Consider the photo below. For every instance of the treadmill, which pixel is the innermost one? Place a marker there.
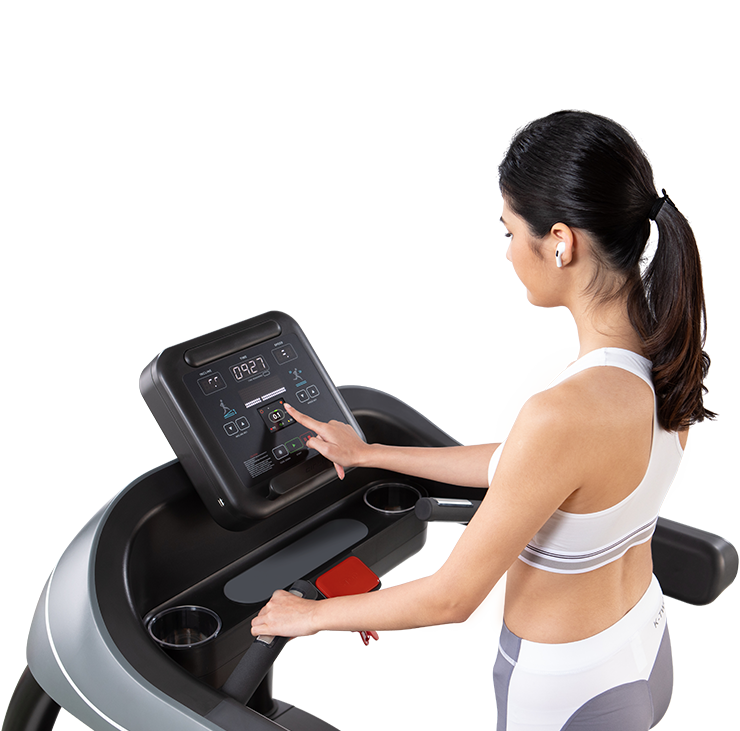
(145, 623)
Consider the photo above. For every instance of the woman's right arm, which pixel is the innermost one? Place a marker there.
(338, 442)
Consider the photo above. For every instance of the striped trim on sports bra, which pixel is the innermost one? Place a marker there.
(580, 563)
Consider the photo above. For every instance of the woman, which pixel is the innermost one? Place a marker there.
(574, 492)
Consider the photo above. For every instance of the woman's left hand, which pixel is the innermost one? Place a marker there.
(285, 615)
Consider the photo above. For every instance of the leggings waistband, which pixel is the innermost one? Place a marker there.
(644, 622)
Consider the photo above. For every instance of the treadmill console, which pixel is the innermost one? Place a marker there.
(220, 401)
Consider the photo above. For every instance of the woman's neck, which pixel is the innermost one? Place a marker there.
(606, 326)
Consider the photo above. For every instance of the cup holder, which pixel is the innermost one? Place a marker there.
(392, 498)
(181, 628)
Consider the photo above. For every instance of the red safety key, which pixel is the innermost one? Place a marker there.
(351, 576)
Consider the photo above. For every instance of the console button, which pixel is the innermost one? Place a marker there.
(302, 396)
(280, 451)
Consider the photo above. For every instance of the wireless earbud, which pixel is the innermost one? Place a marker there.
(559, 254)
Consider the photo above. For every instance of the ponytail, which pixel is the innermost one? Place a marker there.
(667, 309)
(587, 172)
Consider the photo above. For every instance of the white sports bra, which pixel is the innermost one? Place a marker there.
(574, 543)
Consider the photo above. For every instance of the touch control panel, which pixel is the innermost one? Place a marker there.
(220, 401)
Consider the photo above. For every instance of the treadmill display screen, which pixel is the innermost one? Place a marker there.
(242, 450)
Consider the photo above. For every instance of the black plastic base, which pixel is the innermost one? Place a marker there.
(30, 709)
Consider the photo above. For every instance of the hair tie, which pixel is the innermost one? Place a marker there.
(658, 205)
(656, 208)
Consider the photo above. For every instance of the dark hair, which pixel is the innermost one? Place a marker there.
(589, 173)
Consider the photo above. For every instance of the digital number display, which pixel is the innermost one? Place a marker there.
(251, 367)
(211, 383)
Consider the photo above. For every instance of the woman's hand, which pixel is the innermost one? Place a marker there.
(336, 441)
(285, 615)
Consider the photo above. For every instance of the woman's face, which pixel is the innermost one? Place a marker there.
(528, 256)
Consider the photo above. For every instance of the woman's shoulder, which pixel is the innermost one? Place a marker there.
(588, 399)
(584, 430)
(543, 455)
(551, 416)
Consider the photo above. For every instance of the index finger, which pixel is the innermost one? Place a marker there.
(302, 419)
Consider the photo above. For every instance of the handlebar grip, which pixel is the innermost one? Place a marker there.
(447, 509)
(260, 656)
